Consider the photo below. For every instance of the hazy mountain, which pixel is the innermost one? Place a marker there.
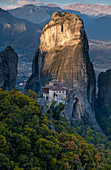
(99, 35)
(43, 14)
(100, 55)
(35, 14)
(52, 5)
(96, 27)
(100, 29)
(90, 9)
(100, 51)
(22, 35)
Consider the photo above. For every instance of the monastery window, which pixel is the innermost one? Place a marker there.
(61, 28)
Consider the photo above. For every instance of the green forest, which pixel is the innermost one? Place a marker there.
(28, 141)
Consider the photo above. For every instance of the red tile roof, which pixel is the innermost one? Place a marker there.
(54, 87)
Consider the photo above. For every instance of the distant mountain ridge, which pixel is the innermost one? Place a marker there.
(52, 5)
(35, 14)
(43, 14)
(89, 9)
(21, 34)
(100, 28)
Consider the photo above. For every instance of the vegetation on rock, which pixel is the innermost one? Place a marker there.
(32, 94)
(26, 142)
(104, 121)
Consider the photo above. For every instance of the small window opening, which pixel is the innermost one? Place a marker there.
(61, 28)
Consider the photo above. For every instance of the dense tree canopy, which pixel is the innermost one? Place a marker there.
(26, 141)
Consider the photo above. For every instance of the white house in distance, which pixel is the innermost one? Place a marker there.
(55, 91)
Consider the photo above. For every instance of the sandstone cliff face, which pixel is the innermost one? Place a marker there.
(8, 69)
(63, 56)
(104, 94)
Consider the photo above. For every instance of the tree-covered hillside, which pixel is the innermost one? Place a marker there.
(27, 141)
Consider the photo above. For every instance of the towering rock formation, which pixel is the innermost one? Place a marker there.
(63, 56)
(104, 94)
(8, 68)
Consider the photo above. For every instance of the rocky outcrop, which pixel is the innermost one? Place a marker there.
(63, 56)
(104, 93)
(8, 68)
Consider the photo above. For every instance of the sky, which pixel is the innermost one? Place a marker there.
(8, 4)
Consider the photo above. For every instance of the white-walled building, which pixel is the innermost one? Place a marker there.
(55, 91)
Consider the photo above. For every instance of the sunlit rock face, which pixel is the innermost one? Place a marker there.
(8, 69)
(104, 94)
(63, 56)
(62, 29)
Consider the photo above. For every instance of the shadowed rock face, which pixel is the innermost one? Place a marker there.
(8, 69)
(63, 56)
(104, 94)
